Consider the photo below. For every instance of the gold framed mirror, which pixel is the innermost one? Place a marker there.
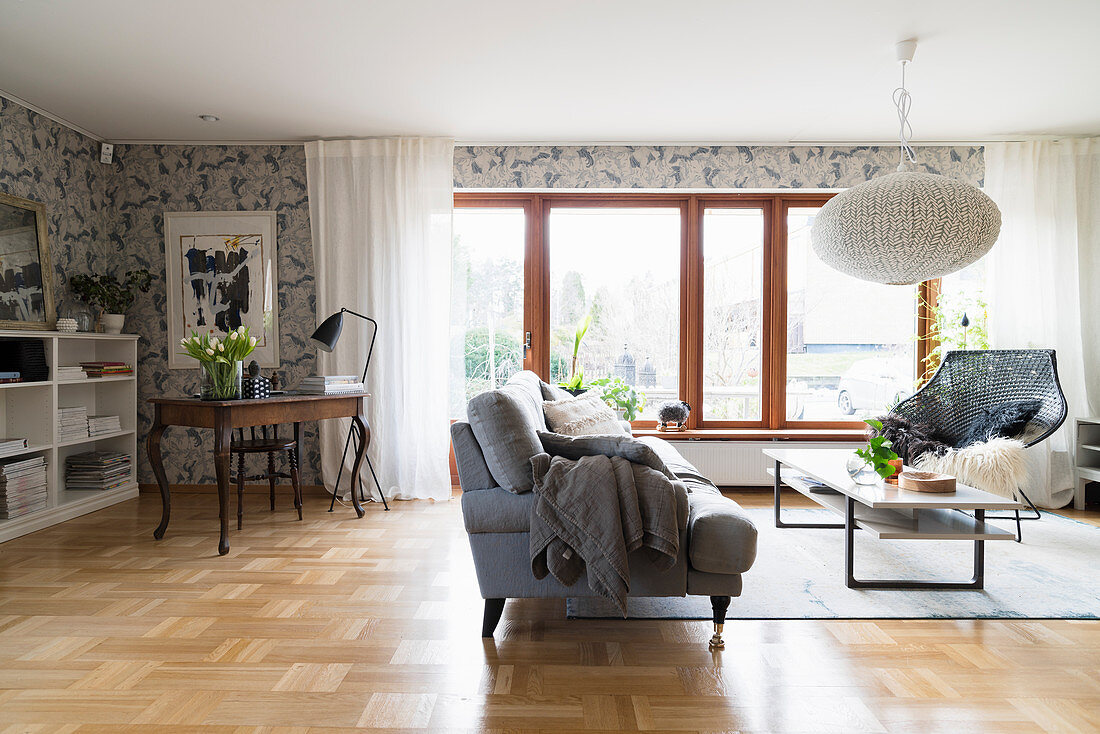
(26, 272)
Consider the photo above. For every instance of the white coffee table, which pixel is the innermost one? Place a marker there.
(888, 513)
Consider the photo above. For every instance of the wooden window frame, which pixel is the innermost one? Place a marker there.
(692, 206)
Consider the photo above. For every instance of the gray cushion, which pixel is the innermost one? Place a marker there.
(473, 473)
(574, 447)
(722, 537)
(497, 511)
(553, 392)
(505, 423)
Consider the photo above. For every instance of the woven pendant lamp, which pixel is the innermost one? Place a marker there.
(905, 227)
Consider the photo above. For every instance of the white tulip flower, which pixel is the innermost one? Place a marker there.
(213, 341)
(232, 335)
(252, 341)
(241, 328)
(210, 352)
(221, 347)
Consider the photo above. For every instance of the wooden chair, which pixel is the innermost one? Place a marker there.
(268, 442)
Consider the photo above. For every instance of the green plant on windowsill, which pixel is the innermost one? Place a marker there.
(879, 451)
(620, 395)
(576, 374)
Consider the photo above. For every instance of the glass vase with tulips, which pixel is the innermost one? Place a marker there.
(220, 359)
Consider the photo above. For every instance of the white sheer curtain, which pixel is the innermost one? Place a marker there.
(380, 213)
(1043, 280)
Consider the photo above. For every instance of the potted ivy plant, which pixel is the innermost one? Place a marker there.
(112, 295)
(620, 396)
(875, 461)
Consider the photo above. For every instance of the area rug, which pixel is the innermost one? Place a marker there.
(799, 574)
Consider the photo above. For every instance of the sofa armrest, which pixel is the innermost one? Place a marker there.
(721, 537)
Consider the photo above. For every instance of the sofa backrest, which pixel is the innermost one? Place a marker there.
(506, 423)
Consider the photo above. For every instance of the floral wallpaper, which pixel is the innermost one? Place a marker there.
(152, 179)
(110, 217)
(699, 167)
(47, 162)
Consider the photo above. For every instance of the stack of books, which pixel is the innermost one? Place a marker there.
(97, 470)
(12, 446)
(331, 384)
(73, 372)
(72, 423)
(11, 377)
(106, 369)
(101, 425)
(22, 487)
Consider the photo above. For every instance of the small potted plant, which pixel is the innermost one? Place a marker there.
(110, 294)
(220, 359)
(620, 396)
(575, 384)
(875, 461)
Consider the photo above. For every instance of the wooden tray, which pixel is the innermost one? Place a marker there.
(924, 481)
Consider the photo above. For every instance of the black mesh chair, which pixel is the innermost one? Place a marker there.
(969, 382)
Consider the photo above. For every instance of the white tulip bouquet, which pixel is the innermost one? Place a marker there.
(220, 361)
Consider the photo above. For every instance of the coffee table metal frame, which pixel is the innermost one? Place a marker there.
(852, 523)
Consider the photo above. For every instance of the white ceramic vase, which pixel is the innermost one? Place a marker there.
(112, 322)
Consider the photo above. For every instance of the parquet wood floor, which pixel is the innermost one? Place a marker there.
(335, 623)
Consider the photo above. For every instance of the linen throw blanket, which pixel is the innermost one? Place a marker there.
(590, 513)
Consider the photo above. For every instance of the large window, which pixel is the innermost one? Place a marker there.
(850, 343)
(487, 259)
(621, 268)
(716, 299)
(733, 290)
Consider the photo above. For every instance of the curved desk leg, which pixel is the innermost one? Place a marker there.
(155, 459)
(360, 423)
(223, 435)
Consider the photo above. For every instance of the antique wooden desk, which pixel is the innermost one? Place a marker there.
(226, 415)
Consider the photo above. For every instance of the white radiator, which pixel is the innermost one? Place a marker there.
(741, 463)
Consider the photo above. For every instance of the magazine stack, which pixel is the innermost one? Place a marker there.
(72, 423)
(22, 487)
(97, 470)
(103, 425)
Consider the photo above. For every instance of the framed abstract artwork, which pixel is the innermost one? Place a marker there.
(220, 270)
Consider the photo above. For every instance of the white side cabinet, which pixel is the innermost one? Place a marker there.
(1088, 458)
(29, 409)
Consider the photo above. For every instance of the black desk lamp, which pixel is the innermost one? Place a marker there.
(326, 337)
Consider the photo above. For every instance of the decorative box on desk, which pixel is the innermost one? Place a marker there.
(29, 410)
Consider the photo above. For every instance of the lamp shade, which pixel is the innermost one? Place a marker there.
(903, 228)
(328, 333)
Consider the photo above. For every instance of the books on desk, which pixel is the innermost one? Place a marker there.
(22, 487)
(72, 423)
(331, 384)
(97, 470)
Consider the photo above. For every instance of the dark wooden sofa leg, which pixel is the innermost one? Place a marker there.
(493, 609)
(719, 604)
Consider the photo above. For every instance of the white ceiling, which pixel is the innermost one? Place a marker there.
(645, 71)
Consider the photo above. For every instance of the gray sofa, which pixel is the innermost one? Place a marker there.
(493, 451)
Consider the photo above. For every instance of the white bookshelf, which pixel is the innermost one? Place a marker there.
(1088, 458)
(29, 409)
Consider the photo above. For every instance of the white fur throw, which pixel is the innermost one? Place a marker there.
(584, 415)
(996, 466)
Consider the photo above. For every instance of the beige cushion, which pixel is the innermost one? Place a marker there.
(584, 415)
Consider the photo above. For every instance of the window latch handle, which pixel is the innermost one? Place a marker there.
(526, 342)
